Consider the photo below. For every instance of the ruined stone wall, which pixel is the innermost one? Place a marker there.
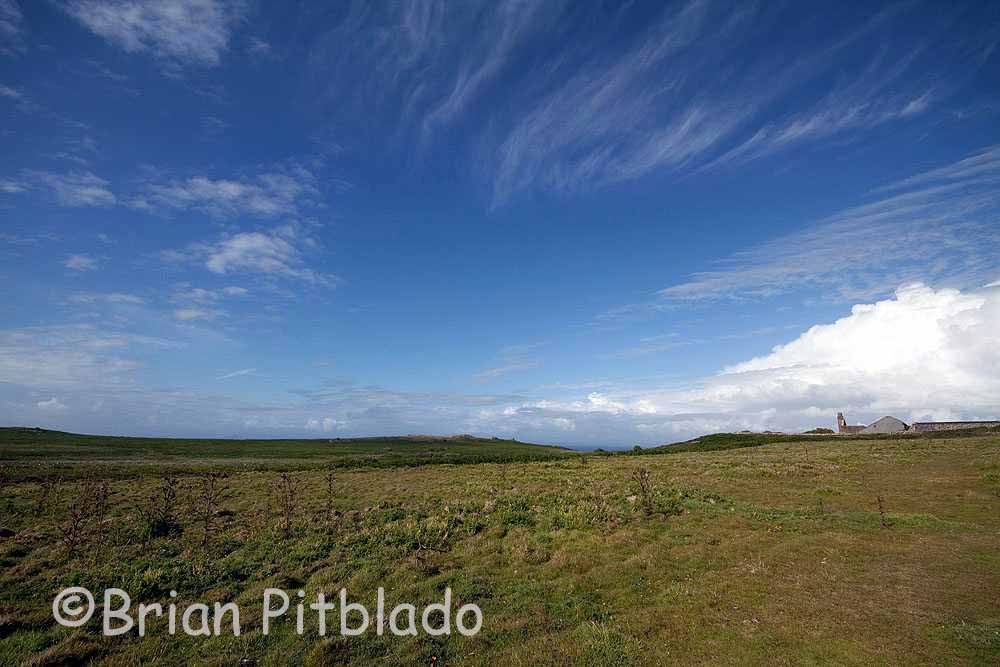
(925, 427)
(842, 426)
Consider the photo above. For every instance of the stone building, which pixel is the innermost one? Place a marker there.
(885, 425)
(842, 426)
(892, 425)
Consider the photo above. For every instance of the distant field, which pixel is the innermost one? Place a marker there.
(30, 448)
(852, 551)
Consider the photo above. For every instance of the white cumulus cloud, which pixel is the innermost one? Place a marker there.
(277, 253)
(923, 354)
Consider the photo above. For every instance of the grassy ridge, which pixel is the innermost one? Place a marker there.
(724, 441)
(56, 448)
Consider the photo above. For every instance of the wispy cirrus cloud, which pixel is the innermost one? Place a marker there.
(648, 345)
(423, 65)
(506, 25)
(75, 188)
(885, 90)
(671, 89)
(685, 98)
(11, 31)
(942, 225)
(512, 358)
(236, 374)
(192, 32)
(667, 342)
(983, 163)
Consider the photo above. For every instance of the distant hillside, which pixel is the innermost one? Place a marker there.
(722, 441)
(57, 448)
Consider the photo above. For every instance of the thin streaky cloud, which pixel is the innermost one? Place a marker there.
(941, 225)
(512, 358)
(650, 109)
(75, 188)
(678, 94)
(11, 28)
(239, 373)
(958, 221)
(986, 162)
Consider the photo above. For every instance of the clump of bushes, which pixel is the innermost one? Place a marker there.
(159, 515)
(654, 500)
(644, 489)
(284, 489)
(46, 486)
(85, 515)
(208, 496)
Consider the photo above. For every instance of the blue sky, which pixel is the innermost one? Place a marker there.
(595, 225)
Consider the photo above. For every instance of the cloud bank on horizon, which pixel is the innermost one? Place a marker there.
(925, 354)
(565, 223)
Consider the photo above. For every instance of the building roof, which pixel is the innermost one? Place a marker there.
(886, 424)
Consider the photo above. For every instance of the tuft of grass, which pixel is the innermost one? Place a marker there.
(607, 644)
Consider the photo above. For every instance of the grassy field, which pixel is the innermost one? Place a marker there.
(815, 550)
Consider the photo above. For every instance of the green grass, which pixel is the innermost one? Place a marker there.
(775, 553)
